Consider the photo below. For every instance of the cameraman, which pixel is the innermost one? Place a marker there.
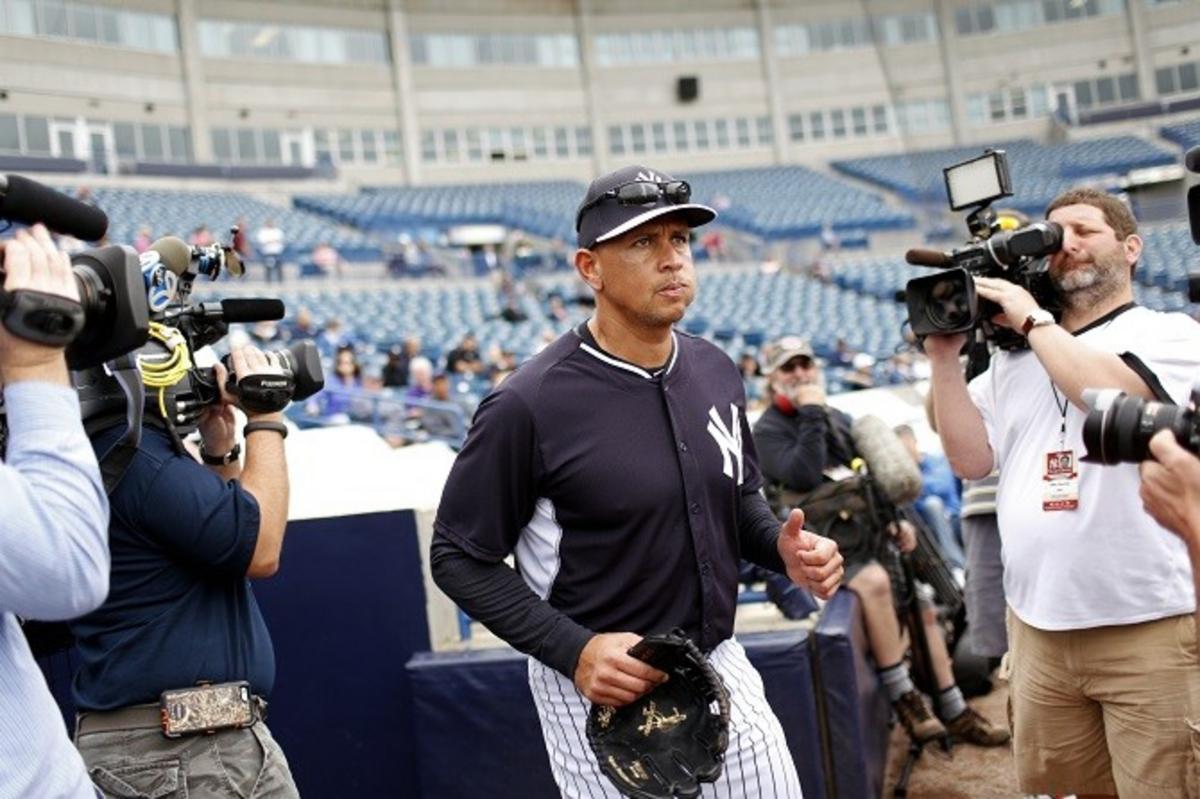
(1103, 652)
(53, 555)
(803, 444)
(185, 537)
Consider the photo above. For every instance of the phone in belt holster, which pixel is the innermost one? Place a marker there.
(208, 708)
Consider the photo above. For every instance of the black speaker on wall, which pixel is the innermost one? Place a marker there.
(687, 89)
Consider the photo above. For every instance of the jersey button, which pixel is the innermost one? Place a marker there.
(695, 507)
(704, 568)
(683, 446)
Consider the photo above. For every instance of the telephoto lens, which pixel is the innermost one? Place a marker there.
(1118, 427)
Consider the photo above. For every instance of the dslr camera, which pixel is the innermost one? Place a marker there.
(946, 302)
(1118, 427)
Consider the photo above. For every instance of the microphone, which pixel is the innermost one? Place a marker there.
(1192, 159)
(889, 462)
(251, 310)
(173, 253)
(29, 202)
(934, 258)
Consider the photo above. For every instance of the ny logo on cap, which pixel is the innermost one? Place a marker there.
(649, 176)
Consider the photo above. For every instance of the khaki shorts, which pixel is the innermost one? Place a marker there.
(1105, 710)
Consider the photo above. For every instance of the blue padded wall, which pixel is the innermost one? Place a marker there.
(476, 718)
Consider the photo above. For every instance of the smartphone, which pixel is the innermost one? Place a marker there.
(207, 708)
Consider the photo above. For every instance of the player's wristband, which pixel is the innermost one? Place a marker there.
(277, 427)
(221, 460)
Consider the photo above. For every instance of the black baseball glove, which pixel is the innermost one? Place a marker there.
(672, 739)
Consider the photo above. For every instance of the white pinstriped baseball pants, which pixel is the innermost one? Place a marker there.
(757, 762)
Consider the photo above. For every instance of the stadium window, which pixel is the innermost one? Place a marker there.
(180, 140)
(583, 141)
(450, 144)
(879, 118)
(700, 130)
(837, 123)
(562, 147)
(796, 127)
(428, 146)
(977, 113)
(222, 144)
(996, 106)
(1083, 94)
(366, 138)
(37, 135)
(658, 136)
(1188, 78)
(816, 124)
(637, 138)
(152, 142)
(1016, 99)
(247, 146)
(495, 150)
(272, 150)
(321, 148)
(81, 19)
(765, 130)
(474, 144)
(616, 140)
(10, 134)
(53, 18)
(541, 146)
(743, 132)
(125, 140)
(1164, 80)
(19, 19)
(1039, 101)
(1106, 90)
(858, 120)
(516, 138)
(679, 130)
(964, 21)
(345, 145)
(1127, 87)
(721, 134)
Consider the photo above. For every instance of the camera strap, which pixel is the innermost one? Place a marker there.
(115, 462)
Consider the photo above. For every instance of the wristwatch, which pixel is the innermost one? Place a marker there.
(1038, 318)
(221, 460)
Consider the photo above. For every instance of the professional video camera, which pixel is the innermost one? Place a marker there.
(946, 303)
(1118, 427)
(138, 329)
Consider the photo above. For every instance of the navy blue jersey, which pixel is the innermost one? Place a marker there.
(619, 490)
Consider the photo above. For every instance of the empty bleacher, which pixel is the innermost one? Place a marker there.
(1185, 134)
(1039, 171)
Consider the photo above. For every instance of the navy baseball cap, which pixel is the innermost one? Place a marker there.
(620, 201)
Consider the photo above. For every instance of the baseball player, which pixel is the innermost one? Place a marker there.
(618, 466)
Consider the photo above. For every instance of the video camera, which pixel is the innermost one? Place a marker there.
(138, 329)
(946, 303)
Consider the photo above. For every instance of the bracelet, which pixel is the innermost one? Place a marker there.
(276, 427)
(221, 460)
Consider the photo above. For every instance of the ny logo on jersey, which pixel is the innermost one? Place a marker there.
(650, 176)
(729, 440)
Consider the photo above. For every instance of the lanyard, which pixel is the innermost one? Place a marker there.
(1062, 409)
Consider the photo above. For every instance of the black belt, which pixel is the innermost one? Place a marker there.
(137, 717)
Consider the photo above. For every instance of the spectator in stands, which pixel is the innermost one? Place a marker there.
(464, 359)
(332, 338)
(420, 378)
(1104, 668)
(500, 359)
(752, 378)
(266, 335)
(327, 260)
(270, 242)
(713, 244)
(556, 310)
(861, 374)
(447, 422)
(241, 243)
(301, 326)
(803, 443)
(395, 370)
(200, 236)
(940, 503)
(345, 384)
(142, 241)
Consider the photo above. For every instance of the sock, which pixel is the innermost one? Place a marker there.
(896, 680)
(950, 703)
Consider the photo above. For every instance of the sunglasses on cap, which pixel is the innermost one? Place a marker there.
(799, 362)
(641, 192)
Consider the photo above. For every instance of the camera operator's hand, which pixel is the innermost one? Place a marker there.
(32, 262)
(1016, 302)
(944, 347)
(250, 360)
(904, 534)
(218, 425)
(1170, 489)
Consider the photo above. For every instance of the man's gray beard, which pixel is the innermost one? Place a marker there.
(1086, 287)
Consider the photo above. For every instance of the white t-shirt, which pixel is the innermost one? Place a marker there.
(1106, 562)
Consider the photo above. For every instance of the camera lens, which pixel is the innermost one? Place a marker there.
(1119, 427)
(948, 306)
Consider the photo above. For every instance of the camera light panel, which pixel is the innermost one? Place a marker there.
(978, 181)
